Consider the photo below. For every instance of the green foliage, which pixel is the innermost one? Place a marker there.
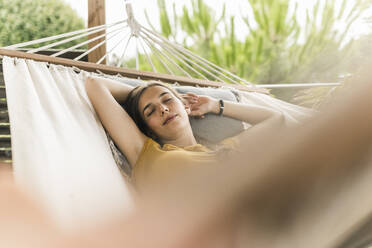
(277, 48)
(201, 24)
(361, 56)
(25, 20)
(165, 23)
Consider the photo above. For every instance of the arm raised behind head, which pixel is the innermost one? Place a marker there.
(105, 96)
(118, 90)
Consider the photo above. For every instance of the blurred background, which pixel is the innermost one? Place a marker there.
(261, 41)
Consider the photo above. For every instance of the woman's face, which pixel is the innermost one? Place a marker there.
(163, 112)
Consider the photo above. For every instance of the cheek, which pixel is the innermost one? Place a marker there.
(179, 106)
(153, 123)
(184, 111)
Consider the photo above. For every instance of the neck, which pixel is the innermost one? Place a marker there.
(184, 139)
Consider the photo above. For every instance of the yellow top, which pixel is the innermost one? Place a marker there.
(157, 162)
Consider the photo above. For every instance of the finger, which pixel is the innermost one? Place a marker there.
(190, 99)
(200, 116)
(186, 98)
(191, 94)
(194, 107)
(196, 113)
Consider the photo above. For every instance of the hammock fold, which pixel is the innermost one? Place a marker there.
(60, 149)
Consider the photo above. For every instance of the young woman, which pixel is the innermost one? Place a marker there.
(154, 131)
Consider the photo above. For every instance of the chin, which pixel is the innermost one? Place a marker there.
(172, 132)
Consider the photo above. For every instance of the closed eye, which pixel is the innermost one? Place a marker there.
(150, 113)
(153, 109)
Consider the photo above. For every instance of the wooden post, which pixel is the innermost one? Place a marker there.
(96, 17)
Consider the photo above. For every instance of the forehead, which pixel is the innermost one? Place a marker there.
(152, 94)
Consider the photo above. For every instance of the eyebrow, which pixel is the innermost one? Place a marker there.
(148, 105)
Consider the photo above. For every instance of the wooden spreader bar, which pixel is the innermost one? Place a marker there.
(130, 73)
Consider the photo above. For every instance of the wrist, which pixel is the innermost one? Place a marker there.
(215, 107)
(222, 106)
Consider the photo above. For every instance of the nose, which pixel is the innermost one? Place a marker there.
(163, 109)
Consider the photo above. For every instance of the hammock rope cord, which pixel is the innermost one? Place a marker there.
(173, 58)
(55, 37)
(155, 49)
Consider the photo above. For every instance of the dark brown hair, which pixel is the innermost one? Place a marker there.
(132, 108)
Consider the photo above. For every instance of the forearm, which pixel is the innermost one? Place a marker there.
(251, 114)
(118, 90)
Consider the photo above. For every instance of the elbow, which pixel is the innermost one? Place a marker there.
(89, 80)
(91, 87)
(90, 84)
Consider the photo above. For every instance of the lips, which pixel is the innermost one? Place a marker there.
(169, 119)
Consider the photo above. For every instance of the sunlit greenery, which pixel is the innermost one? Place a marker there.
(25, 20)
(360, 57)
(277, 47)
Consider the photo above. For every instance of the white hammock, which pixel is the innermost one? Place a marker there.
(60, 149)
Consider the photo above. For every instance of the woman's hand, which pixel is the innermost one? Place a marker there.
(200, 105)
(250, 113)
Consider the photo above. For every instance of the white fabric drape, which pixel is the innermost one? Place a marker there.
(60, 150)
(293, 113)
